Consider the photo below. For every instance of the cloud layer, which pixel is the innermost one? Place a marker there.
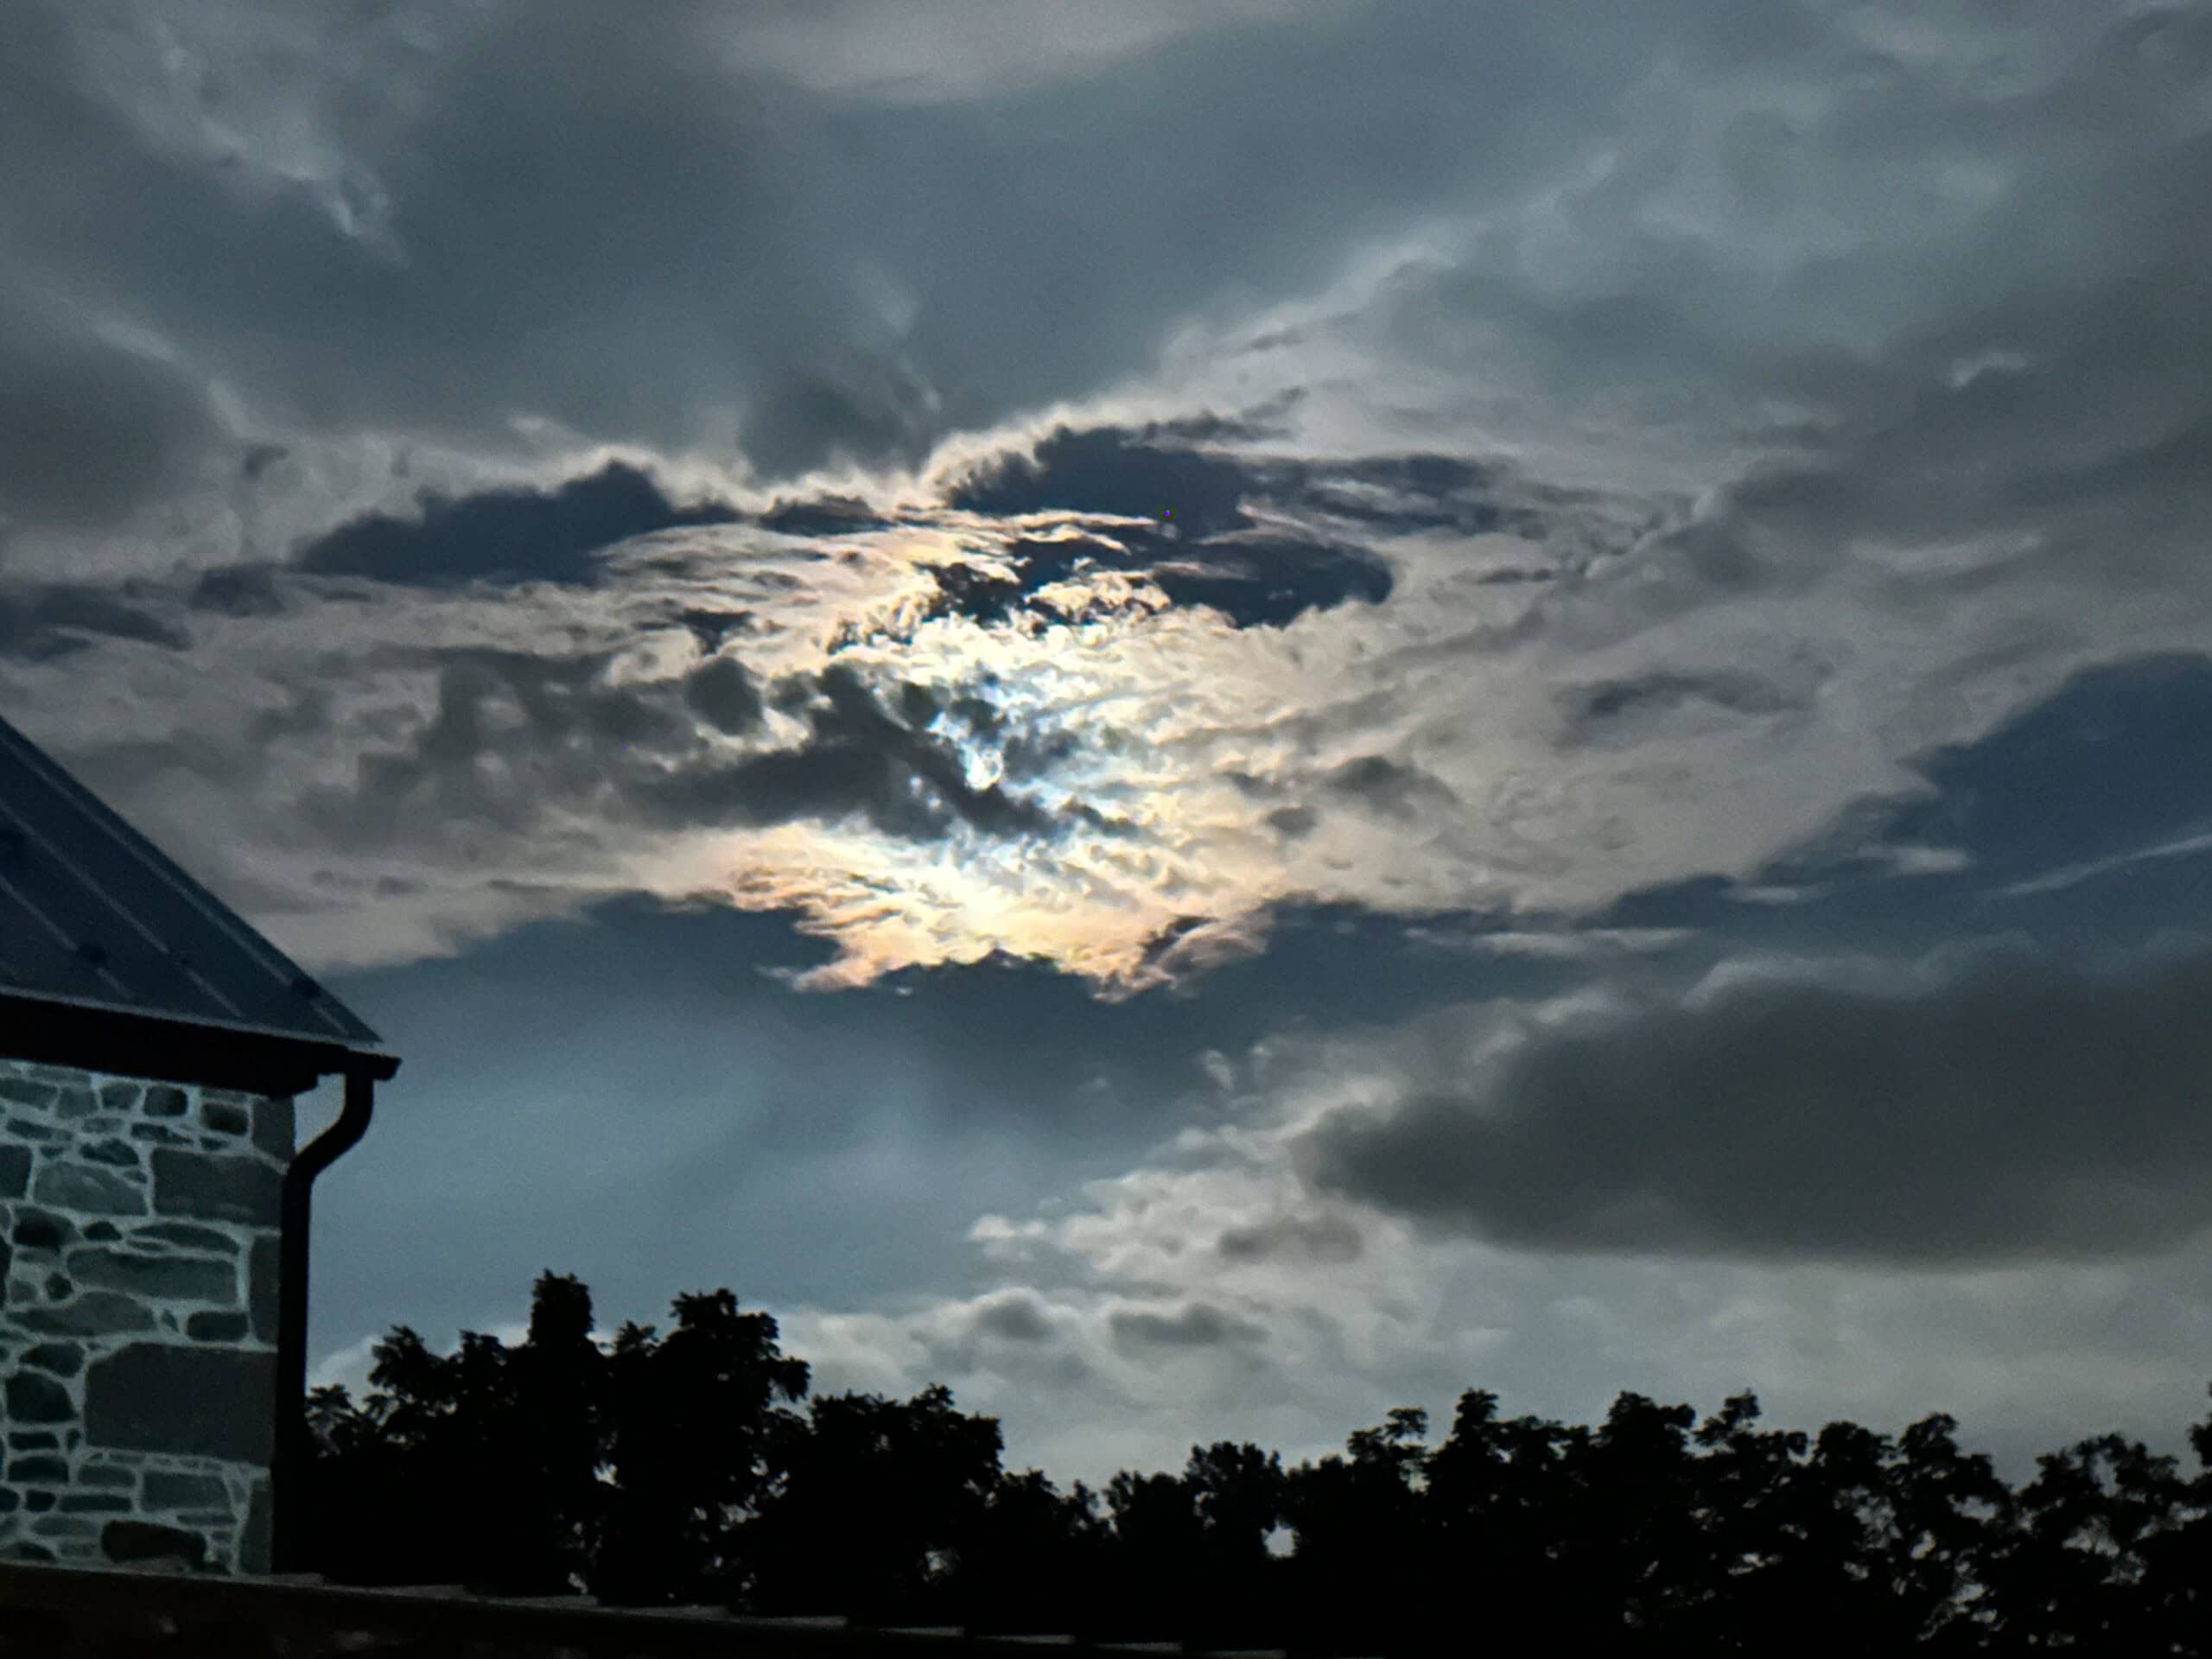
(2013, 1112)
(1272, 507)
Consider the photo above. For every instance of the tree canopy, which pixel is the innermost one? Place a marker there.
(690, 1466)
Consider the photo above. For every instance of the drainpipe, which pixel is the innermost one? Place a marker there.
(290, 1456)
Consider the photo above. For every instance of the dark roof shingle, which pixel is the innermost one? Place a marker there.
(93, 915)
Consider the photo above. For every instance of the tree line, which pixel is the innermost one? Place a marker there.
(690, 1466)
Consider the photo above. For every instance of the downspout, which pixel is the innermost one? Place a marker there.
(292, 1452)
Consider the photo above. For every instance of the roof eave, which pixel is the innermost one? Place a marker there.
(93, 1037)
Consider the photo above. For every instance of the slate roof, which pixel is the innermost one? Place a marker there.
(94, 918)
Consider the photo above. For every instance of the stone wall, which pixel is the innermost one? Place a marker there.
(138, 1291)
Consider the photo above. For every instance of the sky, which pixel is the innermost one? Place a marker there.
(1201, 715)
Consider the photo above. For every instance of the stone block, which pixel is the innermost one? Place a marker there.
(38, 1230)
(207, 1402)
(102, 1232)
(163, 1100)
(216, 1327)
(184, 1236)
(23, 1129)
(62, 1358)
(21, 1091)
(223, 1118)
(95, 1503)
(65, 1525)
(182, 1278)
(118, 1096)
(96, 1313)
(41, 1466)
(10, 1500)
(75, 1101)
(87, 1190)
(160, 1133)
(119, 1153)
(33, 1439)
(108, 1476)
(274, 1127)
(167, 1490)
(189, 1183)
(36, 1399)
(130, 1543)
(265, 1277)
(14, 1170)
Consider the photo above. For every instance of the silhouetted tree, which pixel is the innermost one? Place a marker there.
(693, 1428)
(657, 1468)
(1034, 1559)
(2086, 1533)
(1155, 1570)
(1357, 1521)
(872, 1501)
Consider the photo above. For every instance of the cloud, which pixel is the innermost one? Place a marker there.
(511, 535)
(724, 693)
(1017, 1317)
(2014, 1112)
(1332, 1238)
(1387, 786)
(1718, 409)
(858, 759)
(45, 622)
(2027, 1348)
(91, 430)
(1195, 1324)
(1629, 711)
(1178, 514)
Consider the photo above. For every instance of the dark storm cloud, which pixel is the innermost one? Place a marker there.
(1329, 1239)
(1389, 786)
(1199, 544)
(1196, 1326)
(55, 621)
(859, 758)
(1129, 472)
(1180, 472)
(415, 218)
(510, 739)
(1253, 583)
(1019, 1317)
(2015, 1112)
(1626, 711)
(834, 515)
(238, 590)
(509, 535)
(515, 744)
(721, 691)
(90, 432)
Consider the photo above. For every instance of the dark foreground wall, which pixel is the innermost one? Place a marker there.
(139, 1292)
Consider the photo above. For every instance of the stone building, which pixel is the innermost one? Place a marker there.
(152, 1208)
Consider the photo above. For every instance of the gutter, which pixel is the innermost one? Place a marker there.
(293, 1451)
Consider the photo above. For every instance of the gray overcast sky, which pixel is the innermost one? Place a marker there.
(1202, 715)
